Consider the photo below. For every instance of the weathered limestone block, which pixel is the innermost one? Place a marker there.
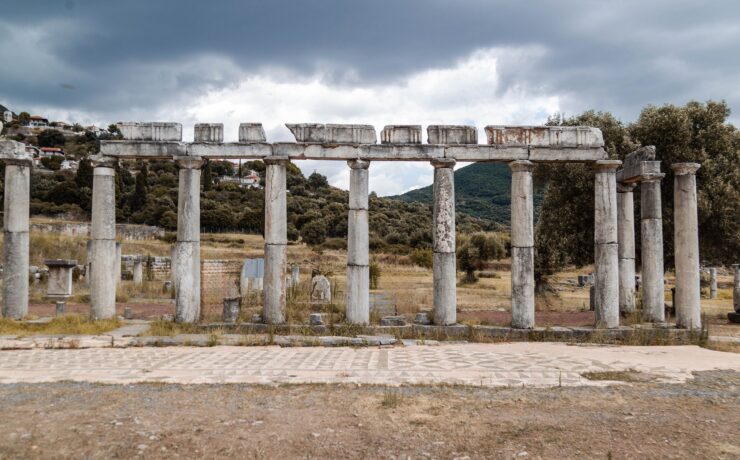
(138, 271)
(209, 132)
(134, 131)
(605, 204)
(320, 289)
(358, 182)
(251, 132)
(522, 287)
(444, 262)
(401, 134)
(541, 136)
(232, 309)
(358, 257)
(606, 285)
(276, 239)
(686, 245)
(186, 257)
(626, 237)
(273, 311)
(59, 281)
(637, 163)
(358, 298)
(452, 134)
(332, 133)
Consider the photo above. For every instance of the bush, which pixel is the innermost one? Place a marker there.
(422, 257)
(314, 233)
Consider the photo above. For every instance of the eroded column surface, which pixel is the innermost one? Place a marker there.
(138, 271)
(522, 245)
(443, 259)
(276, 239)
(358, 257)
(651, 225)
(15, 252)
(736, 289)
(606, 260)
(626, 240)
(186, 254)
(686, 246)
(103, 242)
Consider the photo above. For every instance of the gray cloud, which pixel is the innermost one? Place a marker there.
(142, 57)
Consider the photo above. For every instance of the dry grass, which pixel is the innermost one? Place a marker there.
(171, 328)
(63, 325)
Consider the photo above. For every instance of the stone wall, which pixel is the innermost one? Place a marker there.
(219, 279)
(125, 231)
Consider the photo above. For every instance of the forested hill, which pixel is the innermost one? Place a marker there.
(481, 190)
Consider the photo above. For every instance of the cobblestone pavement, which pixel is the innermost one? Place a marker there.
(538, 364)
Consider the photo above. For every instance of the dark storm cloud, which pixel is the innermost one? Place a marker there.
(103, 57)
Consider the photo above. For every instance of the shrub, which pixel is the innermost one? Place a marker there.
(421, 257)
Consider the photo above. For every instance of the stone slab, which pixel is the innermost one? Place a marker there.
(332, 133)
(152, 131)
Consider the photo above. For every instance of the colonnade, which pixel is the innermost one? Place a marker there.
(613, 231)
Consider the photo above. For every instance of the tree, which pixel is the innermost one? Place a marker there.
(317, 181)
(84, 175)
(24, 118)
(474, 251)
(207, 177)
(51, 138)
(138, 198)
(314, 232)
(115, 131)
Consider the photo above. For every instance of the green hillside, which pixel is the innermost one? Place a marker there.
(481, 190)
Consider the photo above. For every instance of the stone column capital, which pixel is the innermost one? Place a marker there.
(625, 188)
(521, 166)
(657, 177)
(18, 161)
(276, 160)
(99, 161)
(443, 162)
(606, 166)
(358, 164)
(189, 162)
(683, 169)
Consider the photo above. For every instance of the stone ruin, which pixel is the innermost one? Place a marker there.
(520, 146)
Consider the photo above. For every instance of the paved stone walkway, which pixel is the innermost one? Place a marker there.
(538, 364)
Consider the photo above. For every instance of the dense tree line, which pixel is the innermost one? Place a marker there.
(695, 132)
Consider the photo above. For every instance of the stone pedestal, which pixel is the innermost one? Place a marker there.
(186, 254)
(103, 242)
(626, 238)
(606, 260)
(276, 239)
(443, 233)
(686, 244)
(59, 281)
(358, 258)
(16, 243)
(138, 272)
(522, 245)
(712, 283)
(651, 225)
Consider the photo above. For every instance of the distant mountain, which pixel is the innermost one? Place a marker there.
(481, 190)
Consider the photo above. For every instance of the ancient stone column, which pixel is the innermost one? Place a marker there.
(626, 237)
(444, 263)
(712, 283)
(276, 240)
(736, 289)
(651, 225)
(103, 242)
(686, 246)
(606, 260)
(358, 259)
(119, 258)
(138, 272)
(522, 245)
(15, 260)
(186, 254)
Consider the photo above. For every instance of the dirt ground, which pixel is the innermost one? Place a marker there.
(698, 419)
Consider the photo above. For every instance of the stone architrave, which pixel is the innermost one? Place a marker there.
(103, 241)
(59, 281)
(651, 225)
(686, 246)
(626, 237)
(358, 256)
(320, 289)
(606, 279)
(522, 245)
(276, 239)
(444, 269)
(16, 237)
(186, 253)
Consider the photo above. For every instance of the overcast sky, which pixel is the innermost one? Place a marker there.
(377, 62)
